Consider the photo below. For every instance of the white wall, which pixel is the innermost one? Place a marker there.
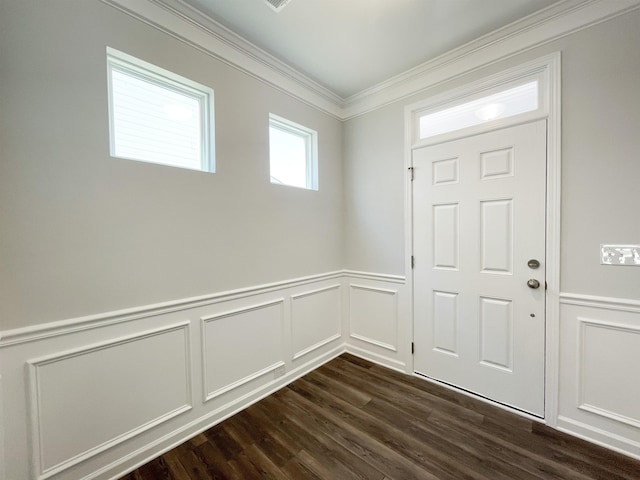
(140, 304)
(115, 272)
(84, 233)
(600, 199)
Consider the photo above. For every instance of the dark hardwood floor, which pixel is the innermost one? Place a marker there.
(353, 419)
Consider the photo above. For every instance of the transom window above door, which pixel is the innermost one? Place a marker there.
(515, 101)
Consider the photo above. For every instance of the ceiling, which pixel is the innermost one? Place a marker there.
(351, 45)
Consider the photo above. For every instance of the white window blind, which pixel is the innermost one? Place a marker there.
(292, 154)
(157, 116)
(507, 103)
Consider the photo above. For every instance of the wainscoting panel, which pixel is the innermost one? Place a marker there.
(374, 316)
(86, 401)
(378, 319)
(599, 381)
(95, 397)
(241, 345)
(315, 319)
(603, 347)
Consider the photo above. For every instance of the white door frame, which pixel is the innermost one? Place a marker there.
(547, 70)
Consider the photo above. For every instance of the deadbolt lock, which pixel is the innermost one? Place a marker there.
(533, 263)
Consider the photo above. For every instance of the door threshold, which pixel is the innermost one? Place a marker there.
(477, 396)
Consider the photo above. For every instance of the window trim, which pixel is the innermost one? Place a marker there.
(130, 65)
(479, 90)
(310, 138)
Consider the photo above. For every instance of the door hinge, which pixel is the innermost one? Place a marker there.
(413, 261)
(413, 348)
(411, 172)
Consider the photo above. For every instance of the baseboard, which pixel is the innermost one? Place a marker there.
(377, 359)
(599, 354)
(600, 437)
(307, 323)
(183, 434)
(149, 378)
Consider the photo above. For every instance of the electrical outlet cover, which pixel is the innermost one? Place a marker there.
(620, 255)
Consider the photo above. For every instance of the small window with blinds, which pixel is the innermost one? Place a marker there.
(157, 116)
(293, 154)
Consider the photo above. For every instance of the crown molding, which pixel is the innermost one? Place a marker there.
(542, 27)
(189, 25)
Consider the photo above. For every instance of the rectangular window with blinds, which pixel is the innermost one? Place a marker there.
(157, 116)
(293, 154)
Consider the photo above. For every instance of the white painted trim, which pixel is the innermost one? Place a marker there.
(549, 70)
(36, 440)
(64, 327)
(252, 376)
(188, 431)
(385, 291)
(242, 381)
(547, 25)
(132, 67)
(553, 237)
(606, 303)
(601, 412)
(325, 341)
(373, 289)
(580, 401)
(381, 360)
(318, 345)
(529, 72)
(362, 338)
(381, 277)
(605, 439)
(192, 27)
(317, 290)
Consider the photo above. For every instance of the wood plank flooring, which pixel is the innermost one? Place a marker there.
(351, 419)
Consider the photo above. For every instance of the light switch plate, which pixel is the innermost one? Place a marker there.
(620, 255)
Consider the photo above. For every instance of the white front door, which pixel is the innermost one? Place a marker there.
(479, 229)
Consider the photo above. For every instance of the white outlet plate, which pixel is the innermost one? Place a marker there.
(620, 255)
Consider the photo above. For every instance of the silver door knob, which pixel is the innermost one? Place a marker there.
(533, 283)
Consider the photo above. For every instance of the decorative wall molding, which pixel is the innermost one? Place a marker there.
(167, 442)
(383, 360)
(583, 402)
(599, 436)
(65, 327)
(40, 447)
(38, 397)
(251, 338)
(380, 312)
(371, 341)
(540, 28)
(315, 321)
(188, 25)
(606, 303)
(241, 361)
(600, 348)
(193, 28)
(379, 277)
(115, 456)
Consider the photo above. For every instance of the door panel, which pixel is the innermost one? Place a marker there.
(479, 217)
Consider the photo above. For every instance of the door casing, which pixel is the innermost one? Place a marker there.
(548, 71)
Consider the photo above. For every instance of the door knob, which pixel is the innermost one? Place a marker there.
(533, 283)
